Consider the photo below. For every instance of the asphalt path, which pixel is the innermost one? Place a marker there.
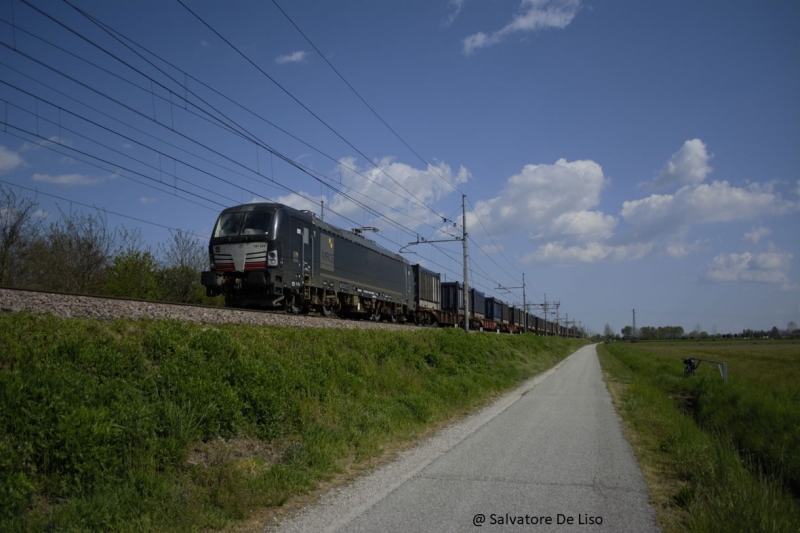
(549, 456)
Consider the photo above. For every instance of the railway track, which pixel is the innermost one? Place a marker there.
(69, 305)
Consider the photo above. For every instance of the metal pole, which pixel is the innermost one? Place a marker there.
(524, 303)
(466, 256)
(545, 314)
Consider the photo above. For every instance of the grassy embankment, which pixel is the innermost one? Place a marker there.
(717, 457)
(171, 426)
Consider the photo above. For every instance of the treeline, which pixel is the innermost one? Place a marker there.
(79, 253)
(649, 333)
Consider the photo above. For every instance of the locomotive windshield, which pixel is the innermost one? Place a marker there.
(249, 223)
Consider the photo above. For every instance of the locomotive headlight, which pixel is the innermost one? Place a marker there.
(211, 261)
(272, 258)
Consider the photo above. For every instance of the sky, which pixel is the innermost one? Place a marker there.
(620, 154)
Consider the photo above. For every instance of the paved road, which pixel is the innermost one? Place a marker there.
(552, 451)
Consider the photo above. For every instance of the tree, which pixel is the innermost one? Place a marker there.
(608, 332)
(133, 274)
(182, 260)
(73, 254)
(19, 227)
(627, 332)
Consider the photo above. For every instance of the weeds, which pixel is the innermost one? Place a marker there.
(726, 455)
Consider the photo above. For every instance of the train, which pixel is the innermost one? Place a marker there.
(272, 256)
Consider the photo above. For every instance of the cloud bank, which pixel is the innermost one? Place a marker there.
(767, 267)
(557, 207)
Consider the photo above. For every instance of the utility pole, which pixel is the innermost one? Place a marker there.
(463, 239)
(466, 256)
(322, 210)
(558, 322)
(633, 327)
(545, 314)
(524, 300)
(524, 303)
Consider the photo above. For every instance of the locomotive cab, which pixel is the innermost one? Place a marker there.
(246, 257)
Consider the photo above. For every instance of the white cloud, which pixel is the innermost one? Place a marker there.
(295, 57)
(455, 6)
(681, 249)
(9, 160)
(70, 180)
(687, 166)
(556, 252)
(541, 194)
(718, 201)
(302, 201)
(204, 44)
(534, 15)
(44, 143)
(767, 267)
(585, 225)
(41, 214)
(146, 200)
(478, 40)
(380, 188)
(756, 234)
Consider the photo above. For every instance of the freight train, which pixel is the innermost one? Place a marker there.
(272, 256)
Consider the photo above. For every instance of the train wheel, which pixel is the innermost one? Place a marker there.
(326, 310)
(291, 305)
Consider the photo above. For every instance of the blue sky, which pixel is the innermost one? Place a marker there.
(620, 154)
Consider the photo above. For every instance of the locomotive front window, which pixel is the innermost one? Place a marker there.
(256, 223)
(228, 225)
(252, 223)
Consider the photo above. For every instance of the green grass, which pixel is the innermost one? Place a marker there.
(171, 426)
(718, 457)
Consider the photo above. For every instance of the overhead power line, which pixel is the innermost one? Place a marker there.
(362, 98)
(236, 128)
(301, 104)
(380, 118)
(104, 210)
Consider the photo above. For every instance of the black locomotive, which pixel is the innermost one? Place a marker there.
(271, 256)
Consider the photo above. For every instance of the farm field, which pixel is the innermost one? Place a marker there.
(717, 456)
(164, 425)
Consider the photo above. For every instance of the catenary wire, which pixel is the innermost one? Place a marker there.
(288, 93)
(248, 135)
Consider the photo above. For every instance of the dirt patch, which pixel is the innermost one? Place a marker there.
(240, 450)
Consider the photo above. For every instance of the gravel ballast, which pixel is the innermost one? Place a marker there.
(96, 307)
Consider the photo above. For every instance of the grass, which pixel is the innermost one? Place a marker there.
(717, 457)
(171, 426)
